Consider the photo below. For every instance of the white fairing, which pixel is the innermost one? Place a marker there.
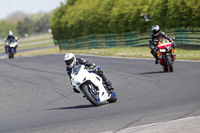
(13, 44)
(83, 76)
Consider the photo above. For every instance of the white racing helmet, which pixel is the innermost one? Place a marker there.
(70, 60)
(10, 33)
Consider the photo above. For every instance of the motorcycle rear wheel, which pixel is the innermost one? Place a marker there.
(91, 94)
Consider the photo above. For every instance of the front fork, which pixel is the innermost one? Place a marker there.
(163, 59)
(172, 55)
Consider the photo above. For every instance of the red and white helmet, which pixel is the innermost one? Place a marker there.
(70, 60)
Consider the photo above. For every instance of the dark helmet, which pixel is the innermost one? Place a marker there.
(155, 30)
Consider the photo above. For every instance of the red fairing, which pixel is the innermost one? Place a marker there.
(164, 45)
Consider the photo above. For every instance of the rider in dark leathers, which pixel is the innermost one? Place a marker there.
(77, 61)
(10, 37)
(155, 37)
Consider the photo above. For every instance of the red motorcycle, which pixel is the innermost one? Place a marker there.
(166, 54)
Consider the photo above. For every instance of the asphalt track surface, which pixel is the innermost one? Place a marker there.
(36, 95)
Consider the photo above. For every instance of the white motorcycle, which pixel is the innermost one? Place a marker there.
(91, 86)
(11, 48)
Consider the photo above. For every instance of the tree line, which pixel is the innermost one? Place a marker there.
(29, 26)
(5, 27)
(32, 24)
(78, 18)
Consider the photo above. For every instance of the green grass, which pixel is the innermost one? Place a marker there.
(183, 52)
(134, 52)
(37, 41)
(35, 38)
(35, 46)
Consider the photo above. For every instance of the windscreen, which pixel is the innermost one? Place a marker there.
(76, 69)
(164, 41)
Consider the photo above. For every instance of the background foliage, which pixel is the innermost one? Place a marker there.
(5, 27)
(85, 17)
(21, 24)
(30, 26)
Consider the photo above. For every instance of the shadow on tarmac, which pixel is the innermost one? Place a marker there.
(155, 72)
(76, 107)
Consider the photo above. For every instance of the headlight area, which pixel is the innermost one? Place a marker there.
(162, 50)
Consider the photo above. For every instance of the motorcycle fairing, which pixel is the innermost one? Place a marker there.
(83, 76)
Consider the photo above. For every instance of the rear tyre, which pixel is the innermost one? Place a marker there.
(91, 94)
(169, 63)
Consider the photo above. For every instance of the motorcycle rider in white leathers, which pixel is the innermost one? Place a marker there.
(71, 61)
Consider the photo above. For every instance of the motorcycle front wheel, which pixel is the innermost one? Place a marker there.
(169, 63)
(113, 97)
(11, 53)
(165, 68)
(91, 94)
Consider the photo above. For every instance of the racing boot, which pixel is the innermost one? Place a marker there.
(6, 51)
(153, 52)
(156, 61)
(105, 81)
(109, 85)
(156, 57)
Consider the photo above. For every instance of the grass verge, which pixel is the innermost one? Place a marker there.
(134, 52)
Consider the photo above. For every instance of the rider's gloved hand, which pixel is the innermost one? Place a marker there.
(174, 44)
(155, 43)
(152, 47)
(171, 40)
(92, 66)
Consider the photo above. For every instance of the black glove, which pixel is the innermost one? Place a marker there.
(155, 43)
(174, 44)
(153, 47)
(92, 66)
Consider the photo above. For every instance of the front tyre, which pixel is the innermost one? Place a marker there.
(11, 53)
(113, 97)
(91, 94)
(165, 68)
(169, 63)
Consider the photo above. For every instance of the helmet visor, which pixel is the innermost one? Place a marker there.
(155, 32)
(68, 62)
